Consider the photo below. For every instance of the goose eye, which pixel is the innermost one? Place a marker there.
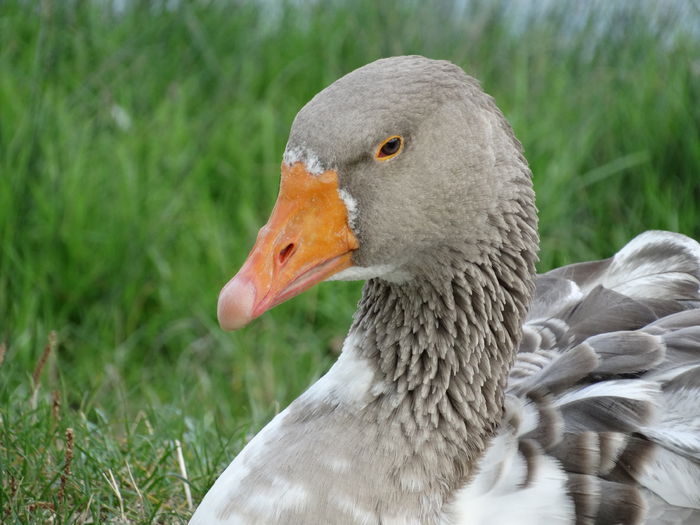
(389, 148)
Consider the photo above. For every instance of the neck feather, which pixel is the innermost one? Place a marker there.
(443, 344)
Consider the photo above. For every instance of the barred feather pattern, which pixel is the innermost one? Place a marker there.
(602, 421)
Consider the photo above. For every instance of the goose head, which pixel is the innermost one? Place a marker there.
(388, 172)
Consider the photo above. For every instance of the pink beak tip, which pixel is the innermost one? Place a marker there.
(235, 306)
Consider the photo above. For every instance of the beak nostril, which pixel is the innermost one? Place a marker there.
(286, 252)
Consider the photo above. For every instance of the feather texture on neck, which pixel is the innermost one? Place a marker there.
(443, 343)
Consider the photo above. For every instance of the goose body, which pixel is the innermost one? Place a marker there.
(469, 390)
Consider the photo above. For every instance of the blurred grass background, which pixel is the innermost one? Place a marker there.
(140, 145)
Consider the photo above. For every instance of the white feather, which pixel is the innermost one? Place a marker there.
(226, 487)
(350, 206)
(388, 272)
(350, 380)
(310, 160)
(496, 496)
(636, 389)
(636, 276)
(674, 478)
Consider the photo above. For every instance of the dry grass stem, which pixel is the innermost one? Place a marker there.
(115, 488)
(66, 465)
(41, 505)
(85, 515)
(56, 405)
(141, 415)
(183, 473)
(133, 483)
(36, 376)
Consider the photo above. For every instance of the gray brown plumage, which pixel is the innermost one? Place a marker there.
(469, 390)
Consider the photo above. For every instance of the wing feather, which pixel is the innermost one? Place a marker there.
(603, 401)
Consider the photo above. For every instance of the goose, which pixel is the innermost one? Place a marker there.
(469, 390)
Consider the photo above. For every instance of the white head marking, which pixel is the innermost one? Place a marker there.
(351, 205)
(307, 157)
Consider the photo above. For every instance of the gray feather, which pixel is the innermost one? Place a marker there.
(585, 492)
(620, 504)
(579, 453)
(612, 445)
(550, 424)
(607, 414)
(605, 310)
(561, 372)
(626, 352)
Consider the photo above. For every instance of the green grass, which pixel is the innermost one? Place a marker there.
(139, 154)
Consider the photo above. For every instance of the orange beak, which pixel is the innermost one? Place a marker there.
(306, 240)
